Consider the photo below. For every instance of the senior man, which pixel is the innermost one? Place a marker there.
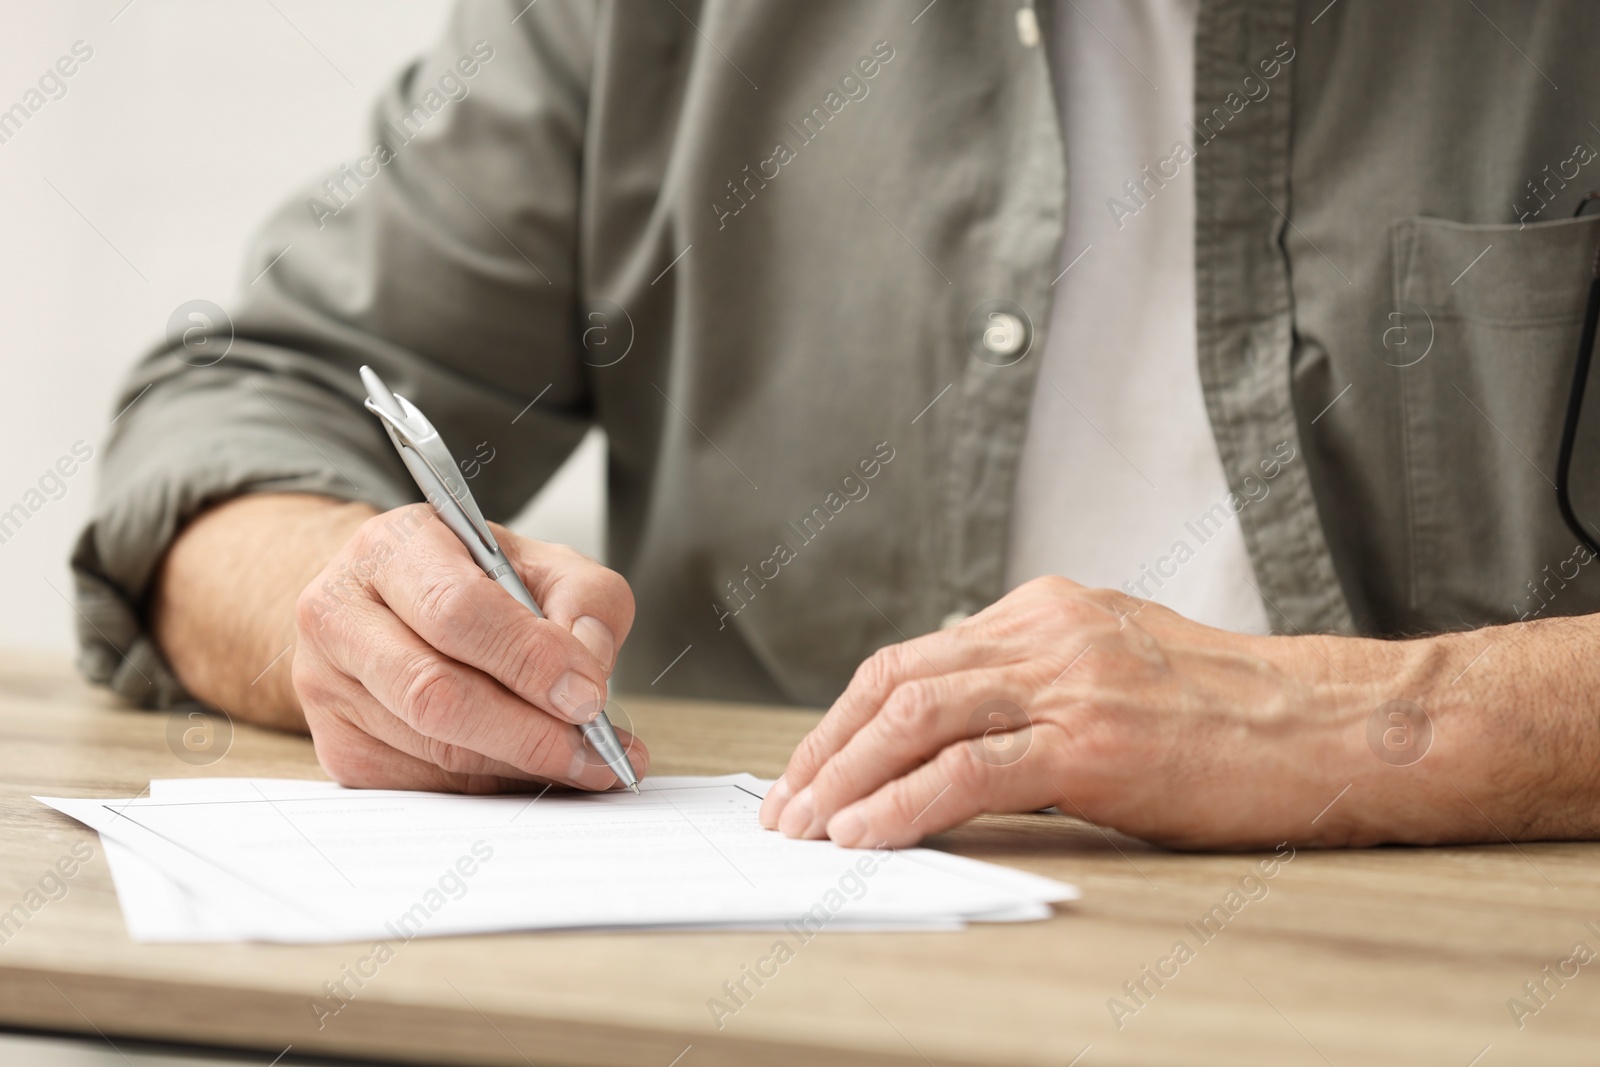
(1120, 381)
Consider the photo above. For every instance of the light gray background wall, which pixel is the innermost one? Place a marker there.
(136, 191)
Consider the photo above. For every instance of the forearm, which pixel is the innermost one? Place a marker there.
(1511, 719)
(224, 605)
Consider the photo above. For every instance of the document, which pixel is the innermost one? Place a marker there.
(223, 859)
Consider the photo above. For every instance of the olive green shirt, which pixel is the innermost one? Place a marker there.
(751, 240)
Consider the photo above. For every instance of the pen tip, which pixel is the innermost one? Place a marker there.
(635, 787)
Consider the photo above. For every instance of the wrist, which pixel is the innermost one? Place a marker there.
(223, 604)
(1454, 738)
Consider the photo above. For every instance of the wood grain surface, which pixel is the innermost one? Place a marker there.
(1403, 956)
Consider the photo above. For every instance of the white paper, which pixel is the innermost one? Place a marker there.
(289, 860)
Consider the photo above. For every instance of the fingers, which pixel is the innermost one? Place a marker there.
(356, 706)
(409, 654)
(932, 656)
(1052, 614)
(959, 783)
(591, 600)
(358, 760)
(450, 706)
(436, 589)
(919, 719)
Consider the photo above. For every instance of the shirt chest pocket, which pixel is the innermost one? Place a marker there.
(1493, 315)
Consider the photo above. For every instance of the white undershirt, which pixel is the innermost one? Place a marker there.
(1119, 459)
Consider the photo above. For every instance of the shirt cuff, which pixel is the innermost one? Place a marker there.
(192, 442)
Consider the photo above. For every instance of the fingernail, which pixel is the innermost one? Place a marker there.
(799, 814)
(596, 636)
(849, 827)
(576, 698)
(772, 807)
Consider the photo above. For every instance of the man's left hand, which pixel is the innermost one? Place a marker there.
(1113, 709)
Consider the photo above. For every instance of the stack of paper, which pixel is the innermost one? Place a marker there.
(221, 859)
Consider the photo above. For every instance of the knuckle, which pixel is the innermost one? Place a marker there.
(406, 517)
(1058, 602)
(882, 669)
(448, 757)
(430, 695)
(307, 610)
(442, 606)
(535, 660)
(366, 550)
(912, 708)
(1053, 586)
(541, 753)
(808, 755)
(400, 535)
(309, 681)
(1066, 607)
(319, 604)
(1073, 611)
(360, 541)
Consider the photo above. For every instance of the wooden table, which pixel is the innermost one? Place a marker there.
(1404, 956)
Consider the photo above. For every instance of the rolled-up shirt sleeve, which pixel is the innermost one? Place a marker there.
(442, 254)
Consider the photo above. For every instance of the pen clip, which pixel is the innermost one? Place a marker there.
(413, 432)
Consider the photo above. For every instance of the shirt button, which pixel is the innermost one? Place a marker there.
(1004, 334)
(999, 332)
(953, 619)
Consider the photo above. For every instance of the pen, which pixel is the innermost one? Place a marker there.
(424, 453)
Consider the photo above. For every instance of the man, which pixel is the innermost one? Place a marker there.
(1289, 359)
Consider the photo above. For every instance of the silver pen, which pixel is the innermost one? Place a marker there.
(424, 453)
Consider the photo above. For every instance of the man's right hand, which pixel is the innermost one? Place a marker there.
(411, 667)
(415, 670)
